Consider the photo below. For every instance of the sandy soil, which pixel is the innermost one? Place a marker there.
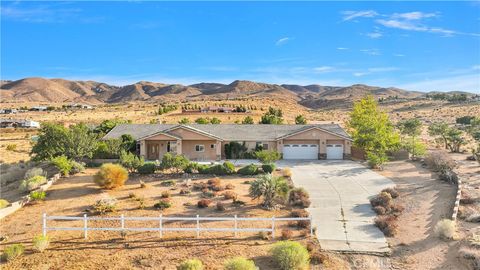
(143, 250)
(426, 200)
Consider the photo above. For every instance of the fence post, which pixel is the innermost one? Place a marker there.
(44, 226)
(161, 226)
(198, 226)
(273, 228)
(122, 222)
(235, 226)
(311, 225)
(85, 228)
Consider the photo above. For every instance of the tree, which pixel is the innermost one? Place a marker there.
(108, 125)
(272, 116)
(270, 188)
(128, 143)
(130, 161)
(247, 120)
(372, 130)
(235, 150)
(300, 120)
(413, 128)
(81, 142)
(455, 139)
(50, 143)
(439, 129)
(184, 121)
(267, 157)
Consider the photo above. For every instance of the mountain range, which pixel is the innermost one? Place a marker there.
(37, 89)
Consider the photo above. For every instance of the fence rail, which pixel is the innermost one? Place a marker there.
(161, 228)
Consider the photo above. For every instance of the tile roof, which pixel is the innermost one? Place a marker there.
(228, 132)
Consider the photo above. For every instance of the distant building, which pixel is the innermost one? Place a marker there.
(18, 123)
(8, 111)
(214, 109)
(38, 108)
(78, 106)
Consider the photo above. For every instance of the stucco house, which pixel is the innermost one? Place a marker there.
(207, 142)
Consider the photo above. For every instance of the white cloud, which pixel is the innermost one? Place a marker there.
(342, 48)
(476, 67)
(45, 13)
(359, 74)
(415, 15)
(282, 41)
(469, 82)
(350, 15)
(374, 35)
(323, 69)
(374, 70)
(373, 52)
(398, 55)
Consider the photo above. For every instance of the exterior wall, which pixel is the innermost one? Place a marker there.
(186, 134)
(188, 149)
(162, 148)
(272, 145)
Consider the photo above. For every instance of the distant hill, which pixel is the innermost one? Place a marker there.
(313, 96)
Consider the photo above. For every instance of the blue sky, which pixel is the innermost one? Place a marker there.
(414, 45)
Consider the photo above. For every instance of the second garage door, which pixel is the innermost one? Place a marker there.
(334, 151)
(300, 151)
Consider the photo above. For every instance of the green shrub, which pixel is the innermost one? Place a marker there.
(3, 203)
(268, 168)
(130, 161)
(63, 164)
(32, 183)
(108, 149)
(251, 169)
(289, 255)
(191, 167)
(216, 169)
(77, 167)
(147, 168)
(163, 204)
(111, 176)
(34, 172)
(38, 195)
(13, 251)
(105, 205)
(229, 166)
(239, 263)
(270, 188)
(267, 157)
(169, 183)
(41, 243)
(202, 168)
(376, 160)
(176, 162)
(192, 264)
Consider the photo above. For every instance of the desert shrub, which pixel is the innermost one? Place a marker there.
(383, 199)
(299, 197)
(238, 203)
(440, 161)
(379, 210)
(397, 208)
(147, 168)
(38, 195)
(192, 264)
(303, 224)
(376, 160)
(290, 255)
(299, 213)
(214, 181)
(220, 206)
(141, 202)
(317, 257)
(264, 235)
(142, 184)
(267, 157)
(191, 167)
(387, 224)
(200, 186)
(163, 204)
(287, 172)
(63, 164)
(11, 147)
(132, 195)
(286, 234)
(185, 191)
(169, 183)
(270, 188)
(392, 191)
(176, 162)
(104, 205)
(111, 176)
(203, 168)
(448, 176)
(239, 263)
(77, 167)
(268, 168)
(208, 194)
(230, 195)
(218, 169)
(229, 166)
(166, 194)
(12, 252)
(251, 169)
(131, 161)
(445, 229)
(3, 203)
(229, 186)
(34, 172)
(32, 183)
(204, 203)
(41, 243)
(474, 218)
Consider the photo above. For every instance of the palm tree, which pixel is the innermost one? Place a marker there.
(269, 187)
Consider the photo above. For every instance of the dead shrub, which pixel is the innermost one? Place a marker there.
(474, 218)
(379, 210)
(204, 203)
(397, 208)
(317, 257)
(214, 181)
(383, 199)
(217, 188)
(392, 191)
(166, 194)
(299, 197)
(200, 186)
(446, 229)
(440, 161)
(287, 234)
(220, 206)
(111, 176)
(143, 184)
(229, 186)
(185, 191)
(230, 195)
(287, 172)
(387, 224)
(299, 213)
(467, 199)
(264, 235)
(303, 223)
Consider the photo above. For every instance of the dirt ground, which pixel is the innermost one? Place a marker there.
(427, 200)
(139, 250)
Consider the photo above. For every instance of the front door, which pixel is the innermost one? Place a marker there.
(152, 151)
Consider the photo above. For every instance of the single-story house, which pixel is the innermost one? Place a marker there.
(18, 123)
(207, 142)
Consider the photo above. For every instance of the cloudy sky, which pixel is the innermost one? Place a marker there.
(414, 45)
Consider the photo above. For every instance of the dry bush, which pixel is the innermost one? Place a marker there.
(474, 218)
(166, 194)
(397, 209)
(380, 210)
(105, 204)
(287, 234)
(392, 191)
(143, 184)
(287, 172)
(387, 224)
(446, 229)
(214, 181)
(299, 197)
(317, 258)
(303, 223)
(220, 206)
(185, 191)
(440, 161)
(264, 235)
(230, 195)
(383, 199)
(229, 186)
(299, 213)
(204, 203)
(41, 243)
(111, 176)
(200, 186)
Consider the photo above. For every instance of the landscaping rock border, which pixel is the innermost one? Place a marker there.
(457, 200)
(14, 206)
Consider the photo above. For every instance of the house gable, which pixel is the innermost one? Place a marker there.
(189, 133)
(313, 133)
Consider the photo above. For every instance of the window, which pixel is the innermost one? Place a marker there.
(265, 146)
(199, 148)
(212, 146)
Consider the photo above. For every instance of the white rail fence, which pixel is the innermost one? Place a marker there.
(162, 228)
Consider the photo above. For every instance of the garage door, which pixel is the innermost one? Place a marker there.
(334, 151)
(300, 151)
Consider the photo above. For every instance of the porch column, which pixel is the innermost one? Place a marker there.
(322, 149)
(218, 149)
(179, 147)
(280, 147)
(143, 149)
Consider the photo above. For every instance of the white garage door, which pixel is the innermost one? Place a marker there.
(334, 151)
(300, 151)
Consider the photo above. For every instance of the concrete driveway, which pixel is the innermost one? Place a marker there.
(340, 192)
